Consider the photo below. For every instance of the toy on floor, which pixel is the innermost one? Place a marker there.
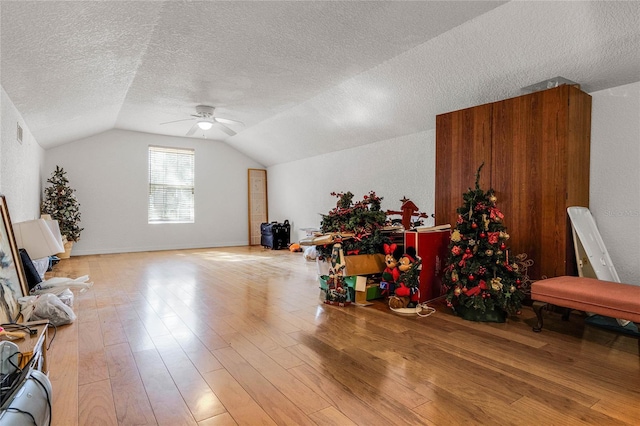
(295, 247)
(391, 272)
(408, 281)
(337, 291)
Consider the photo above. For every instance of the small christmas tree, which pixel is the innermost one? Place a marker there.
(61, 204)
(482, 283)
(363, 220)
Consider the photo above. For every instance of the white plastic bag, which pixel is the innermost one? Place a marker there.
(310, 253)
(54, 285)
(46, 306)
(27, 306)
(66, 296)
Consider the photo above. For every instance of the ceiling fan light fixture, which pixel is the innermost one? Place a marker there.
(205, 125)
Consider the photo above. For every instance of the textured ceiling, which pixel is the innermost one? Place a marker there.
(306, 77)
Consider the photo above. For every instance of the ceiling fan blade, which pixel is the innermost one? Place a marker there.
(176, 121)
(226, 129)
(192, 130)
(228, 121)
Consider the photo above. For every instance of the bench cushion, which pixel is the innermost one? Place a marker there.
(591, 295)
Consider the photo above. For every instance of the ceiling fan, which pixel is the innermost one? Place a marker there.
(205, 120)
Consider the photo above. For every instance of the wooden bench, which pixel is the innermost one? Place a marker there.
(605, 298)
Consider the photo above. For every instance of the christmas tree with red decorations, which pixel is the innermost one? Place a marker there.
(360, 222)
(482, 277)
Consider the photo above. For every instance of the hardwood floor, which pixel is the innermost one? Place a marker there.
(237, 336)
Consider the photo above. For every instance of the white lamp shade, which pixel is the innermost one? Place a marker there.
(205, 125)
(54, 227)
(36, 238)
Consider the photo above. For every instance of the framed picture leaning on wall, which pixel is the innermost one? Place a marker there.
(13, 283)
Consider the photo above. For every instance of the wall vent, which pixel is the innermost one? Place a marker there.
(19, 133)
(549, 84)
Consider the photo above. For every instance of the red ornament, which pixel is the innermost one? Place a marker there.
(518, 281)
(474, 225)
(471, 277)
(503, 246)
(483, 235)
(468, 250)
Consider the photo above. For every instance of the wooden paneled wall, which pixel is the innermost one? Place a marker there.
(535, 149)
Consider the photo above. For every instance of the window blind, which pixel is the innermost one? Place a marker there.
(171, 185)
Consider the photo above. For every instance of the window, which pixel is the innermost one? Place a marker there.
(171, 185)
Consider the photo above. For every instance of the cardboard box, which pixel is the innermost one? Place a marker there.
(364, 264)
(365, 291)
(373, 292)
(361, 264)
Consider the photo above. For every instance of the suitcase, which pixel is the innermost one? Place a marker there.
(275, 235)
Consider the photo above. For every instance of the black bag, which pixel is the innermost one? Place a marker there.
(275, 235)
(30, 272)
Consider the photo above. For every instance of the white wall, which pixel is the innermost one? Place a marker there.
(20, 164)
(405, 166)
(395, 168)
(109, 173)
(615, 176)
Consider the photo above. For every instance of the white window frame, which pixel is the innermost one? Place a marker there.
(171, 196)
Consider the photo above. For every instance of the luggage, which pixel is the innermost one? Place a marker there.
(275, 235)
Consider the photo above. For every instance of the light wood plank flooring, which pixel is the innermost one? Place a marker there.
(237, 336)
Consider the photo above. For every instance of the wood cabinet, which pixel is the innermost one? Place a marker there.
(535, 149)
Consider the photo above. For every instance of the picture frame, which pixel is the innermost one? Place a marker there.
(13, 282)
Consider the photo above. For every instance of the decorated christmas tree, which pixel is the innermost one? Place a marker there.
(361, 224)
(61, 204)
(483, 281)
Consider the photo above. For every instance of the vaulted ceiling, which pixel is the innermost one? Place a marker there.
(306, 77)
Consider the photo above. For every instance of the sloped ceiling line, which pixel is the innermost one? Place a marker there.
(306, 77)
(152, 30)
